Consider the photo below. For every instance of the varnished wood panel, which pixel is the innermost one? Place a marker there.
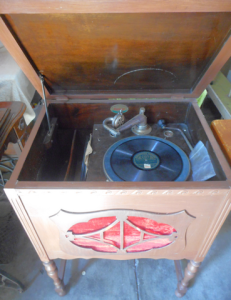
(104, 6)
(85, 115)
(204, 207)
(121, 52)
(214, 68)
(23, 216)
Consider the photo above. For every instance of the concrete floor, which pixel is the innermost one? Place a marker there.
(143, 279)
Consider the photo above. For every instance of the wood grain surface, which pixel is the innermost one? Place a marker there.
(222, 131)
(104, 6)
(85, 53)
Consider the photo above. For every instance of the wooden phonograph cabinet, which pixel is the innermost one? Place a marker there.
(110, 173)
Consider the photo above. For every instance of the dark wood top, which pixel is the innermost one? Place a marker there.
(145, 53)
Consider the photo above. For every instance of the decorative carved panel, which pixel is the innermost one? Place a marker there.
(121, 231)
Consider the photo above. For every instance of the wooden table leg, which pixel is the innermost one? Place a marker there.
(52, 272)
(190, 272)
(179, 273)
(62, 268)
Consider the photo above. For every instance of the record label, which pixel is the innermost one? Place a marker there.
(146, 160)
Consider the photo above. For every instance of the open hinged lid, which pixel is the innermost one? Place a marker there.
(166, 52)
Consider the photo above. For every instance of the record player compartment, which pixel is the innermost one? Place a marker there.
(50, 165)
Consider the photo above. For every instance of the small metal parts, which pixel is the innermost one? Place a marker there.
(142, 128)
(51, 134)
(45, 101)
(161, 124)
(53, 124)
(138, 124)
(115, 121)
(118, 120)
(168, 133)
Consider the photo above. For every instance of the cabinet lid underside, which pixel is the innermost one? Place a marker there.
(159, 53)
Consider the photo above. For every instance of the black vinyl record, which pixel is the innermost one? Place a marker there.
(146, 158)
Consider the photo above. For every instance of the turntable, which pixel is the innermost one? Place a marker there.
(138, 198)
(145, 159)
(138, 158)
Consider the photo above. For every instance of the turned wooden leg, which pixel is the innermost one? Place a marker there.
(179, 273)
(52, 272)
(189, 273)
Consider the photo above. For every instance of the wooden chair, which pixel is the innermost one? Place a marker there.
(12, 129)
